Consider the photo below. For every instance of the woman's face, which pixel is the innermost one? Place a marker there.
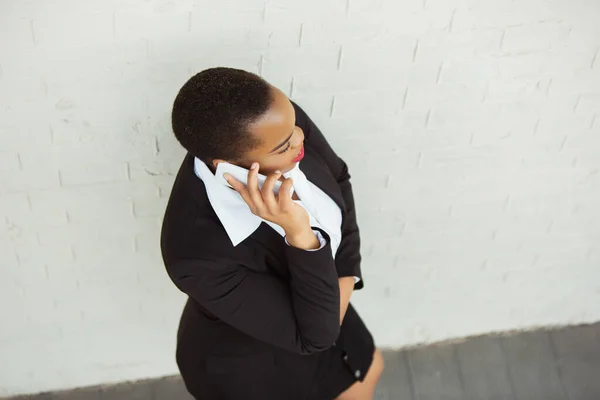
(282, 142)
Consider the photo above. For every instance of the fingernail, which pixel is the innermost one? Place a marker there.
(226, 176)
(254, 165)
(278, 172)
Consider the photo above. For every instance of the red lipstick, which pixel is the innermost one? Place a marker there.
(300, 155)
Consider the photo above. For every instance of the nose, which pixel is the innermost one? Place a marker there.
(298, 139)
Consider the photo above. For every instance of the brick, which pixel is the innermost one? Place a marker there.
(28, 179)
(396, 23)
(559, 125)
(584, 146)
(44, 212)
(312, 59)
(246, 60)
(124, 57)
(492, 14)
(383, 102)
(14, 138)
(165, 185)
(318, 107)
(35, 252)
(73, 120)
(525, 65)
(219, 9)
(386, 55)
(89, 203)
(283, 36)
(150, 168)
(325, 33)
(83, 165)
(281, 79)
(289, 11)
(371, 9)
(501, 129)
(345, 81)
(95, 244)
(23, 216)
(9, 161)
(174, 19)
(473, 72)
(8, 256)
(573, 81)
(26, 9)
(238, 33)
(445, 95)
(149, 204)
(22, 79)
(571, 59)
(382, 225)
(436, 47)
(16, 30)
(588, 103)
(351, 130)
(76, 29)
(526, 89)
(534, 37)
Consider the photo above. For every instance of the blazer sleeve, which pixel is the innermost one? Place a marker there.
(301, 316)
(348, 256)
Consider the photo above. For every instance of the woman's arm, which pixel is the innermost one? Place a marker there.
(301, 316)
(348, 257)
(346, 288)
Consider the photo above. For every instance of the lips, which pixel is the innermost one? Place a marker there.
(300, 155)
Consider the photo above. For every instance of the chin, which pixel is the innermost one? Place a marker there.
(288, 168)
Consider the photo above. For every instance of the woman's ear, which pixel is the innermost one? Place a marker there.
(216, 162)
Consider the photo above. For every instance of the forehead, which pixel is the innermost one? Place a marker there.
(277, 123)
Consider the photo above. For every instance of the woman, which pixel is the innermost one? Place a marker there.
(269, 276)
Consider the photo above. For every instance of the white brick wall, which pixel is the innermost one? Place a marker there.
(472, 129)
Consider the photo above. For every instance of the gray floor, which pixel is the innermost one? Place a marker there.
(544, 365)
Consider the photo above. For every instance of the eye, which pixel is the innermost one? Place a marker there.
(284, 150)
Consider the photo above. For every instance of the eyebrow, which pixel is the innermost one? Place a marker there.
(280, 145)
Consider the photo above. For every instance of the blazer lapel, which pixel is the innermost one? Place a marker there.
(316, 171)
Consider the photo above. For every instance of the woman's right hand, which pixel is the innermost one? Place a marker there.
(279, 209)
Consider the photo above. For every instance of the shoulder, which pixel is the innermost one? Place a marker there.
(190, 227)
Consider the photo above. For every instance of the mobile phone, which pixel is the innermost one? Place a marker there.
(241, 174)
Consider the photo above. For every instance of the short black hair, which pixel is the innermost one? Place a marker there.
(213, 109)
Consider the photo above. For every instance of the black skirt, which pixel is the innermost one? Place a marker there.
(253, 370)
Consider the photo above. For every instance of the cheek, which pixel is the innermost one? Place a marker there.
(282, 162)
(300, 136)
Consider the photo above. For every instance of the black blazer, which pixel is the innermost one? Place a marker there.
(261, 296)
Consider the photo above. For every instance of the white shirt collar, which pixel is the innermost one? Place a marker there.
(231, 209)
(239, 222)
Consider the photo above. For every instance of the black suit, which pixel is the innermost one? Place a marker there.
(262, 318)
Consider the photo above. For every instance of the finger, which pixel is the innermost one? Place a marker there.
(239, 187)
(285, 196)
(267, 191)
(253, 191)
